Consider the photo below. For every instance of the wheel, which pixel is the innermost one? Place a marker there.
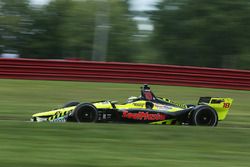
(85, 112)
(204, 116)
(70, 104)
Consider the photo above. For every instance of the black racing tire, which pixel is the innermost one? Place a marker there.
(204, 116)
(71, 104)
(85, 112)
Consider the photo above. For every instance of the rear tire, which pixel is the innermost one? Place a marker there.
(204, 116)
(85, 112)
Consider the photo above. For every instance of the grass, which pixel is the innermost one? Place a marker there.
(45, 144)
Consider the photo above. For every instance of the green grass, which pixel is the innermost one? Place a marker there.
(27, 144)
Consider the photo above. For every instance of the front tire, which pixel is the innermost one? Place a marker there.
(204, 116)
(85, 112)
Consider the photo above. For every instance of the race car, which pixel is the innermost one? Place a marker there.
(147, 108)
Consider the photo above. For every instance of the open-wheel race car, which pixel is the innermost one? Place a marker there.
(147, 108)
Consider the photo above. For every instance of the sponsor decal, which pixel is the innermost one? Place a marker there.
(59, 114)
(146, 116)
(138, 104)
(226, 105)
(60, 119)
(163, 107)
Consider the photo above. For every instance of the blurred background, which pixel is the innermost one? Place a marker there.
(208, 33)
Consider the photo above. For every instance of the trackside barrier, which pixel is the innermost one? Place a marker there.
(124, 73)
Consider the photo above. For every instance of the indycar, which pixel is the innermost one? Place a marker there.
(147, 108)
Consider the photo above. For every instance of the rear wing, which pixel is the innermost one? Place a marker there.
(221, 105)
